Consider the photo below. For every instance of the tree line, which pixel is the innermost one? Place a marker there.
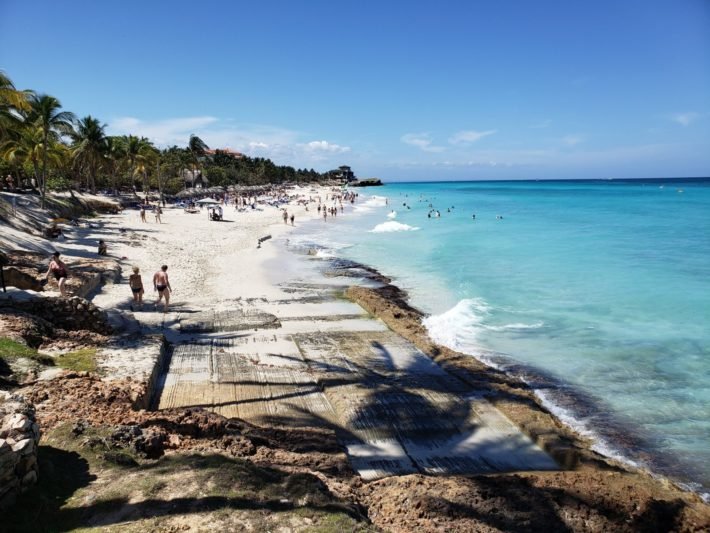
(48, 148)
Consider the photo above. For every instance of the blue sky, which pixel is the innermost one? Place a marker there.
(496, 89)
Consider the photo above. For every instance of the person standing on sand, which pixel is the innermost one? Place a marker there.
(143, 214)
(158, 212)
(293, 217)
(60, 272)
(285, 217)
(161, 283)
(136, 283)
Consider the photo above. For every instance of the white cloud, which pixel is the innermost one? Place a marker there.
(283, 146)
(469, 136)
(684, 119)
(422, 141)
(325, 146)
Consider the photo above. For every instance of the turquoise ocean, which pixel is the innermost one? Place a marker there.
(597, 293)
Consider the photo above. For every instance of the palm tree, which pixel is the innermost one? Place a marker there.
(133, 147)
(115, 152)
(45, 112)
(12, 103)
(137, 150)
(89, 146)
(147, 159)
(25, 147)
(197, 148)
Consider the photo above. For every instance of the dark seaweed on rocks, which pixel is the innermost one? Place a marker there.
(353, 269)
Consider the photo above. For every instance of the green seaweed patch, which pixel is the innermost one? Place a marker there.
(10, 349)
(83, 360)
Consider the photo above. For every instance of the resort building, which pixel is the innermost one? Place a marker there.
(344, 173)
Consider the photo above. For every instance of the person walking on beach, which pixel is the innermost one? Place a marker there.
(158, 212)
(285, 217)
(136, 283)
(292, 218)
(161, 283)
(143, 214)
(59, 270)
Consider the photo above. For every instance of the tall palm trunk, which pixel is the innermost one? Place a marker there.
(133, 185)
(160, 185)
(43, 184)
(35, 165)
(92, 177)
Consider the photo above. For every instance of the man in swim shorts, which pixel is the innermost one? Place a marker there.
(162, 285)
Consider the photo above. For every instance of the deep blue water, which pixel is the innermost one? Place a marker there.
(598, 293)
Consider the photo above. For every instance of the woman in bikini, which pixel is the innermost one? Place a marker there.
(136, 284)
(60, 272)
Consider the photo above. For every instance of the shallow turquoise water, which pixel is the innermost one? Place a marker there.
(591, 290)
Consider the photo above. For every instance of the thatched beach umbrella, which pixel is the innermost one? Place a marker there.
(207, 201)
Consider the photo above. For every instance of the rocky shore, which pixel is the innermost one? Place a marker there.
(19, 440)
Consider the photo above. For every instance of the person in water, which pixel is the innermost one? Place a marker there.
(136, 283)
(161, 283)
(59, 270)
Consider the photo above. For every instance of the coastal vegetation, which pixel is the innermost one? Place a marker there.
(45, 147)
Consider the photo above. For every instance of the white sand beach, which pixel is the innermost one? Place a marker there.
(209, 261)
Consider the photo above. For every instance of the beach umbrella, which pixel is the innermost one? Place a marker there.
(205, 201)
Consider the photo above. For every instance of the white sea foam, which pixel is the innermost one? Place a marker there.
(392, 214)
(514, 326)
(391, 226)
(458, 327)
(339, 245)
(371, 203)
(323, 254)
(584, 428)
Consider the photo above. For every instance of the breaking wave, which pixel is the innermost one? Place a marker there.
(458, 327)
(391, 226)
(371, 203)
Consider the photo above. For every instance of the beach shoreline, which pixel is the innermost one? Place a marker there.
(216, 268)
(569, 442)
